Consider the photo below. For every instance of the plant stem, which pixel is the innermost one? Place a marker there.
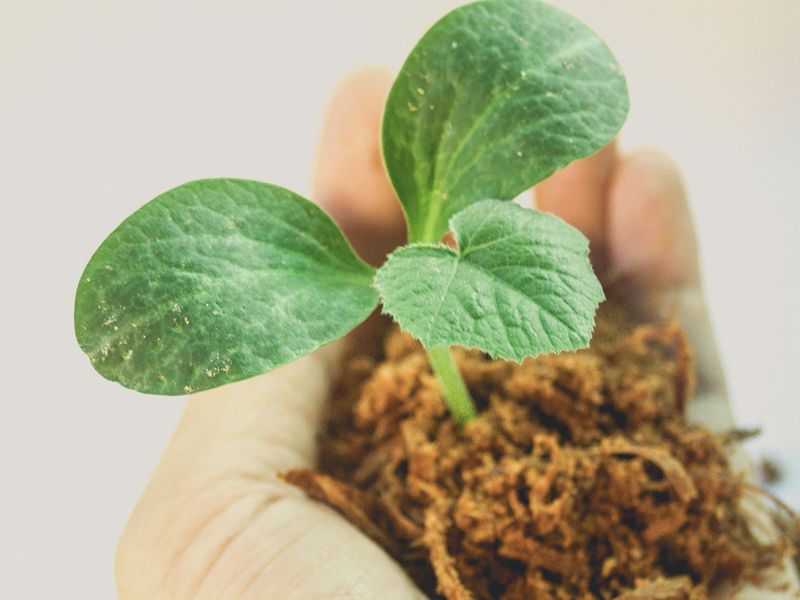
(454, 391)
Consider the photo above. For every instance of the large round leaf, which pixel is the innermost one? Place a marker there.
(216, 281)
(493, 99)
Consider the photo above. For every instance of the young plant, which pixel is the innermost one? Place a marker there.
(219, 280)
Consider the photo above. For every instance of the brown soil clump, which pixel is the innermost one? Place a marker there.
(579, 479)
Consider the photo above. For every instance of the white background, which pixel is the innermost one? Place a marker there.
(104, 104)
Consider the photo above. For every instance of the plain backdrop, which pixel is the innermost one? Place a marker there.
(104, 104)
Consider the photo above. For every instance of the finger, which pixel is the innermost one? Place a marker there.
(652, 246)
(651, 235)
(350, 182)
(578, 193)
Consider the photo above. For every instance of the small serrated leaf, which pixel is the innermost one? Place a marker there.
(215, 281)
(495, 97)
(519, 284)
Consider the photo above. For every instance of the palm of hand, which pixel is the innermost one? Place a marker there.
(216, 522)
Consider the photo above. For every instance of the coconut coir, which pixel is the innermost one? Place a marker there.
(580, 478)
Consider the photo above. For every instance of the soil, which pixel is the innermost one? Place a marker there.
(579, 479)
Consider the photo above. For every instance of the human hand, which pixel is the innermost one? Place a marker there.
(216, 522)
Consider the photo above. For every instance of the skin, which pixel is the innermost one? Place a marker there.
(215, 521)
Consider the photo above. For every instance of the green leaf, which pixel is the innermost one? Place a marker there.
(519, 284)
(495, 97)
(216, 281)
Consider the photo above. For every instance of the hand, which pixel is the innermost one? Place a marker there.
(215, 522)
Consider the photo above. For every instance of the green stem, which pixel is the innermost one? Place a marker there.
(455, 392)
(428, 234)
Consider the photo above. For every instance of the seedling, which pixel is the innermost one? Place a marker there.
(219, 280)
